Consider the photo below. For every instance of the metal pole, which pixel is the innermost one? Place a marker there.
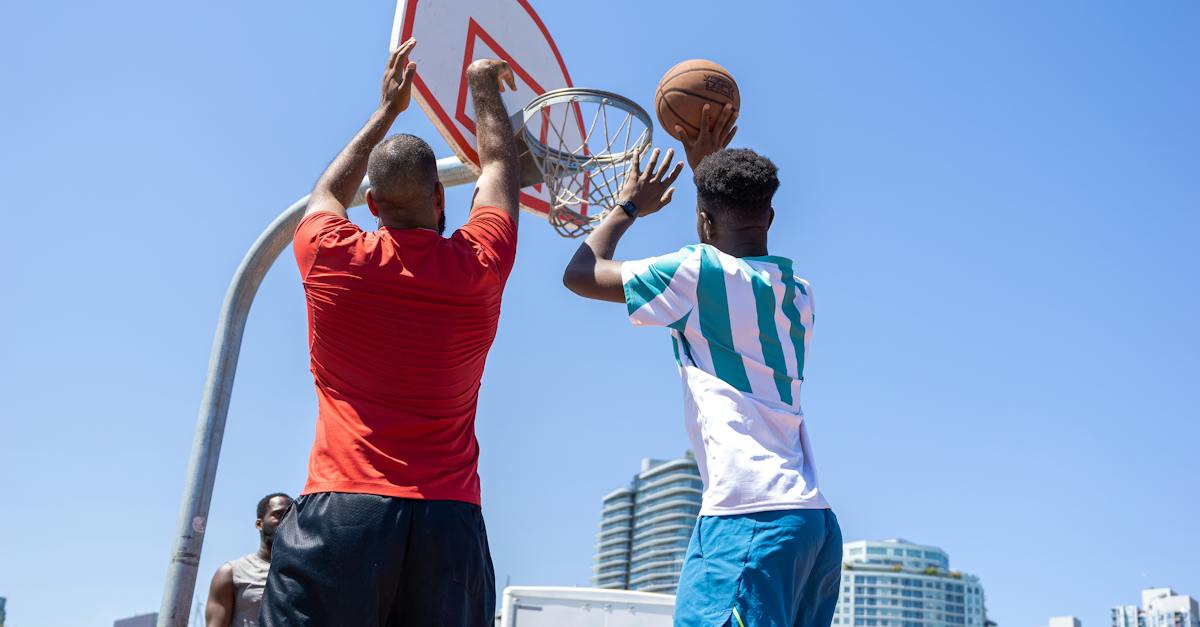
(218, 384)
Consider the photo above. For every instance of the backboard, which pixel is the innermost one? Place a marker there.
(453, 33)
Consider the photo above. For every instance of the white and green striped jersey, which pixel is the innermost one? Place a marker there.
(741, 329)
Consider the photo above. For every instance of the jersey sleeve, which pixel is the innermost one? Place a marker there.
(493, 235)
(321, 231)
(661, 291)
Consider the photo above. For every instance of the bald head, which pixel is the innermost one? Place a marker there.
(404, 181)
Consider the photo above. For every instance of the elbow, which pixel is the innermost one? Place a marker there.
(576, 279)
(571, 279)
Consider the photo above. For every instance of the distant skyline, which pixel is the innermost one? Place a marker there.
(995, 203)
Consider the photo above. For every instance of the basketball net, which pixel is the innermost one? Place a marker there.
(583, 175)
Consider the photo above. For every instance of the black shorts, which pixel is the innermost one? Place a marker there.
(361, 559)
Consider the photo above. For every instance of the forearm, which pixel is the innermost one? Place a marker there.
(592, 272)
(341, 179)
(493, 130)
(602, 241)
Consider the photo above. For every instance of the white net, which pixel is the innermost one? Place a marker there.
(582, 141)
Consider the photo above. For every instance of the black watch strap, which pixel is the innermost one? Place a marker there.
(630, 209)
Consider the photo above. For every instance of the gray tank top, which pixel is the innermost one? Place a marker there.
(249, 578)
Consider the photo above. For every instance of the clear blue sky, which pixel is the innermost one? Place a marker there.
(997, 204)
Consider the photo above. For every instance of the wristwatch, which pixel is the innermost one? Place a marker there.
(630, 209)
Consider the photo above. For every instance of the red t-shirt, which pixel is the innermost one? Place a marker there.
(399, 326)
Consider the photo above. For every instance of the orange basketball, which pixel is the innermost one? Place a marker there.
(687, 87)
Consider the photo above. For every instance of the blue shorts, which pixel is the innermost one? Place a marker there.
(766, 569)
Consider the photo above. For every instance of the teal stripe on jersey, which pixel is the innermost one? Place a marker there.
(796, 327)
(687, 348)
(713, 303)
(768, 336)
(680, 325)
(654, 280)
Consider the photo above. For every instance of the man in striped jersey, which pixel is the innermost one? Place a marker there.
(766, 549)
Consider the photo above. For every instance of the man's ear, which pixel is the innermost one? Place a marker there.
(439, 196)
(771, 218)
(371, 204)
(258, 524)
(708, 229)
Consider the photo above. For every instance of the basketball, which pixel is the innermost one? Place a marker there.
(687, 87)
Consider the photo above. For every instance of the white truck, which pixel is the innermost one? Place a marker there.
(545, 606)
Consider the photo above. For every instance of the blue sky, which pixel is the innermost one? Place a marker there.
(996, 203)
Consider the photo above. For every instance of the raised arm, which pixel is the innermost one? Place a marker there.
(218, 611)
(337, 186)
(500, 171)
(592, 272)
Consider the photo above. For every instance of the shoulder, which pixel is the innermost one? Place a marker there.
(669, 262)
(224, 576)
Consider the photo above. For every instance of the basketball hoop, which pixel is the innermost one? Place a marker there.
(583, 176)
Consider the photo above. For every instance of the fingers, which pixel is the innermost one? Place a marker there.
(662, 174)
(398, 60)
(724, 120)
(652, 164)
(666, 197)
(682, 134)
(729, 137)
(410, 70)
(400, 54)
(705, 121)
(669, 179)
(637, 161)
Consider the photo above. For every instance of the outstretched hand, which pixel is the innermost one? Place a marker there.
(650, 188)
(398, 79)
(715, 134)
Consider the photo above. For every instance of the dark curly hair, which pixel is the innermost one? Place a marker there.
(736, 181)
(266, 500)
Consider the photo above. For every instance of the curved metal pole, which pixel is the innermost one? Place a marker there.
(218, 384)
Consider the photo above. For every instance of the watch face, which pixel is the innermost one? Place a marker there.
(630, 208)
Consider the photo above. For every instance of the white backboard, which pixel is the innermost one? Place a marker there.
(453, 33)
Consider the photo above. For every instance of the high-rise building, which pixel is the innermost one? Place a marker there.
(141, 620)
(895, 583)
(1065, 621)
(1161, 607)
(645, 527)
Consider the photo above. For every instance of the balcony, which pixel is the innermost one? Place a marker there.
(691, 501)
(687, 516)
(683, 526)
(672, 540)
(613, 543)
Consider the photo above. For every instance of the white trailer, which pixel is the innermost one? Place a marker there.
(544, 606)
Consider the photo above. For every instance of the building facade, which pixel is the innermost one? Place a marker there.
(645, 527)
(1161, 607)
(141, 620)
(1065, 621)
(895, 583)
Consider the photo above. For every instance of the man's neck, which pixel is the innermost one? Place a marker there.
(741, 248)
(264, 551)
(406, 225)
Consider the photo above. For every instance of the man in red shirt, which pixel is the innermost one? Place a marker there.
(388, 529)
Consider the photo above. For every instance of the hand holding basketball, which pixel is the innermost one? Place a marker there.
(715, 134)
(397, 80)
(650, 188)
(493, 68)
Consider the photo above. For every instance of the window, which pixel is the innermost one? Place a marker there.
(876, 550)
